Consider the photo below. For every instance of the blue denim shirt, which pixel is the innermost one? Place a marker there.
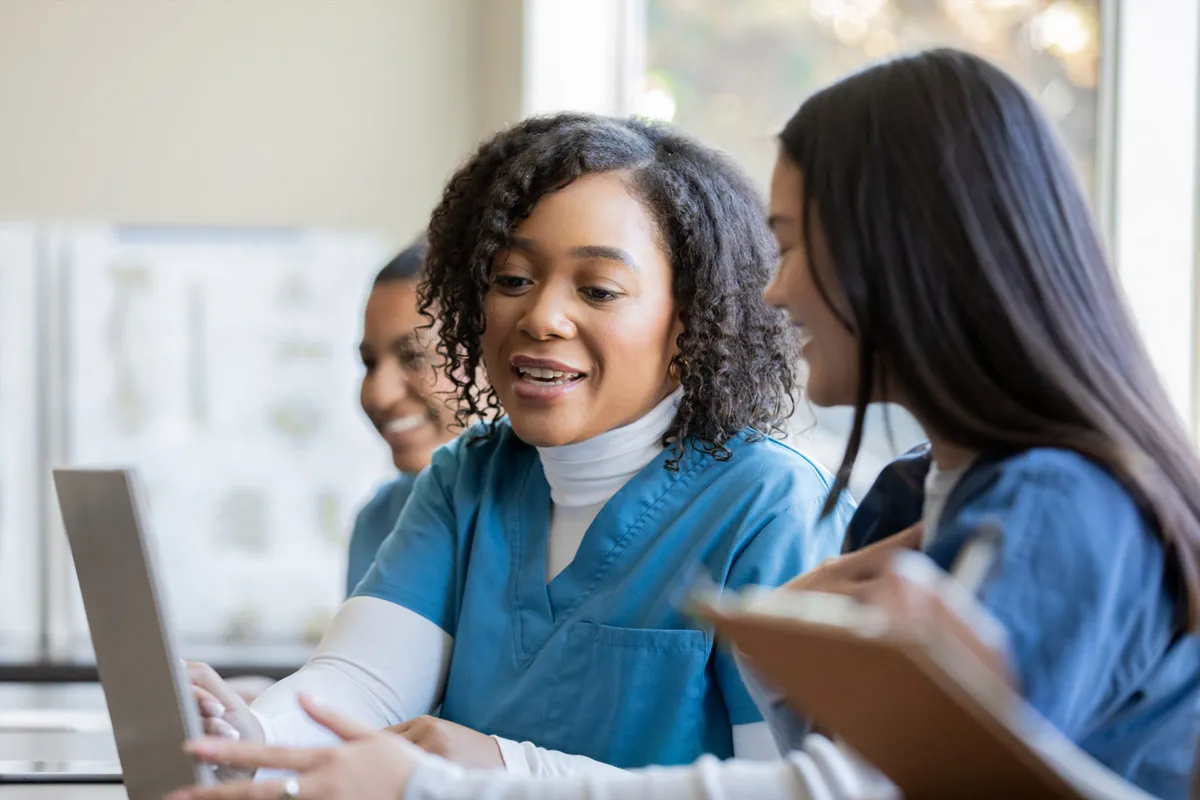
(1084, 593)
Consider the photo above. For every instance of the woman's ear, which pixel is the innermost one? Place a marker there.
(675, 363)
(677, 329)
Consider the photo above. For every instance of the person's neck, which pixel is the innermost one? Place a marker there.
(949, 456)
(591, 471)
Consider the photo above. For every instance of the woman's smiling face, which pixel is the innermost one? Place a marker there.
(581, 320)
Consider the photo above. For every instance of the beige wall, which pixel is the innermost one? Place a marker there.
(333, 113)
(500, 58)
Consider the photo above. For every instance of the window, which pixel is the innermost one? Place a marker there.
(731, 73)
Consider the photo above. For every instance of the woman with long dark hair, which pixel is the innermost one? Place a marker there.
(937, 252)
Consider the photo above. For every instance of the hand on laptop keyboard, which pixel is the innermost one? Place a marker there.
(223, 712)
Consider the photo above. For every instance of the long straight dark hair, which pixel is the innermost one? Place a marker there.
(977, 284)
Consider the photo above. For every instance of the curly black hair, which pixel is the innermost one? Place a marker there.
(736, 355)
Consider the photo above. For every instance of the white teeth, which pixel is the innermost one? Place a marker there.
(405, 424)
(544, 374)
(550, 377)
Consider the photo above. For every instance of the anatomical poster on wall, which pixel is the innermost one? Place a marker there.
(223, 364)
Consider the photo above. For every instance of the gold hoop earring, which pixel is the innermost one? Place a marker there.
(676, 368)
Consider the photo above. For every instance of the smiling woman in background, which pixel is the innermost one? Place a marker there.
(403, 394)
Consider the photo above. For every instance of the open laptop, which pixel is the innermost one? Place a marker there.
(145, 684)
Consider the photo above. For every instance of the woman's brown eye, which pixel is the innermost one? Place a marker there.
(510, 282)
(599, 295)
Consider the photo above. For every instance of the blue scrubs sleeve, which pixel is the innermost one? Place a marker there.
(793, 542)
(374, 522)
(1069, 588)
(418, 562)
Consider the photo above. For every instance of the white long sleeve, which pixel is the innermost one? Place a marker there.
(817, 772)
(751, 742)
(754, 741)
(525, 759)
(379, 663)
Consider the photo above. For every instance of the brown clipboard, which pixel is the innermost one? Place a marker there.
(924, 712)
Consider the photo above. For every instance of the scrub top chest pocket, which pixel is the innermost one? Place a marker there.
(638, 688)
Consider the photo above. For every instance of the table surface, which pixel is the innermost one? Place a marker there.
(63, 792)
(60, 722)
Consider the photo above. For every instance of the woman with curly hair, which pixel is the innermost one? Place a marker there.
(598, 286)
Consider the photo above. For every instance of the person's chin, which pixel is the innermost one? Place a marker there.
(541, 432)
(411, 460)
(540, 437)
(825, 397)
(818, 397)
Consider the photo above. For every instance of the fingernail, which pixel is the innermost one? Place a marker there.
(213, 709)
(200, 748)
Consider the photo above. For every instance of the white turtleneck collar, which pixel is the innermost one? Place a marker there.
(590, 472)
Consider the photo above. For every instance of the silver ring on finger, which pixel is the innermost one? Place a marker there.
(290, 790)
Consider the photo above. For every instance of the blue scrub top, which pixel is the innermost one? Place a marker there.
(1080, 587)
(601, 662)
(374, 522)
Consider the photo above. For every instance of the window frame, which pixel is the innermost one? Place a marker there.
(1149, 168)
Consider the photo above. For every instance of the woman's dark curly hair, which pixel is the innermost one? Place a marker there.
(736, 355)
